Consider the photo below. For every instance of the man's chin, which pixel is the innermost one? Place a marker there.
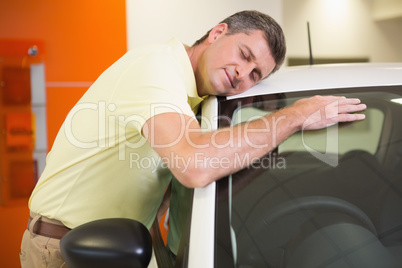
(223, 91)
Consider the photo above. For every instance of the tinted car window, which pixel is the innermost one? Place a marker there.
(328, 198)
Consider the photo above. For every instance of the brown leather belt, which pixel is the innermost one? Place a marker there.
(49, 229)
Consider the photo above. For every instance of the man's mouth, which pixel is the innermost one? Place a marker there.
(229, 78)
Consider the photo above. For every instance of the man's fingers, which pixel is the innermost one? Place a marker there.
(350, 117)
(351, 108)
(344, 100)
(347, 107)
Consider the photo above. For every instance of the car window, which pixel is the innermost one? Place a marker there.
(328, 198)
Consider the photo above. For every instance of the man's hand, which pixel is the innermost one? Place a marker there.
(323, 111)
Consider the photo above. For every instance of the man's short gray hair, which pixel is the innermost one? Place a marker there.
(251, 20)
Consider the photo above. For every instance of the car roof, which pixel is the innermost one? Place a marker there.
(314, 77)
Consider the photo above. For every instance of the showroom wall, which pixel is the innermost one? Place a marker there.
(344, 28)
(339, 28)
(158, 20)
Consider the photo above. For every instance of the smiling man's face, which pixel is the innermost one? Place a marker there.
(231, 64)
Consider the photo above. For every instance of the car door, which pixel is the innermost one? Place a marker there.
(328, 198)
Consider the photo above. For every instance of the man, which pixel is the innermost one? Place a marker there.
(119, 146)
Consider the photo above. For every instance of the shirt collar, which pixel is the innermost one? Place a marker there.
(193, 99)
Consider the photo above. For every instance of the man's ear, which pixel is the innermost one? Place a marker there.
(217, 32)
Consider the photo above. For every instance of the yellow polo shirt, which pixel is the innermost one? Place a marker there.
(100, 166)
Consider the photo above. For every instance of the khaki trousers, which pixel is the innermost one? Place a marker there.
(38, 251)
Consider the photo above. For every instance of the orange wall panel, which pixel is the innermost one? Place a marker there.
(56, 113)
(82, 39)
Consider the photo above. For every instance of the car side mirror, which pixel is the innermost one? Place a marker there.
(108, 243)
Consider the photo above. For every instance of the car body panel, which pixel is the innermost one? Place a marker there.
(203, 211)
(300, 78)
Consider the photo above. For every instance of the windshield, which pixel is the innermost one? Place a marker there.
(327, 198)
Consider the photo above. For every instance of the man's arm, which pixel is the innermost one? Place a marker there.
(197, 159)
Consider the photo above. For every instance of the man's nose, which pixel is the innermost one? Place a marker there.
(243, 70)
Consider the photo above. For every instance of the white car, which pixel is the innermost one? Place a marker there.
(327, 198)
